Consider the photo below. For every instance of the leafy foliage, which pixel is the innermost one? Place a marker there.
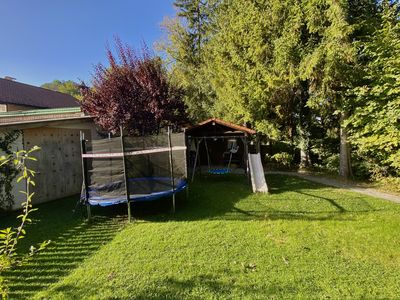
(8, 171)
(10, 237)
(237, 60)
(282, 67)
(64, 86)
(376, 122)
(283, 158)
(133, 92)
(188, 33)
(296, 71)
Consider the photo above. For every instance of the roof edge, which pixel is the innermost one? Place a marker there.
(224, 123)
(19, 123)
(41, 111)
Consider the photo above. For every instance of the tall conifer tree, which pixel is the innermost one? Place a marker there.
(376, 122)
(187, 35)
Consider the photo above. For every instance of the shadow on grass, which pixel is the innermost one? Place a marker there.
(290, 198)
(73, 240)
(196, 287)
(211, 198)
(230, 198)
(216, 197)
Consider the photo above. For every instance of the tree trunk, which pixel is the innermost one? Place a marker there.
(304, 145)
(304, 126)
(345, 151)
(304, 158)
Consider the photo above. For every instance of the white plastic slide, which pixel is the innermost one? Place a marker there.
(257, 174)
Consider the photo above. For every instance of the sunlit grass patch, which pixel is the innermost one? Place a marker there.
(303, 240)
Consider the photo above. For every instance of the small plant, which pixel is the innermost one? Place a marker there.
(389, 183)
(267, 158)
(283, 159)
(8, 172)
(10, 237)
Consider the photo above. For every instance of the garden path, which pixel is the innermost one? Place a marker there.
(341, 184)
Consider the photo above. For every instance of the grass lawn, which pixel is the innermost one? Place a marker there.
(303, 240)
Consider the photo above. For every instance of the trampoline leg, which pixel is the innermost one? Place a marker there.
(89, 212)
(129, 211)
(173, 203)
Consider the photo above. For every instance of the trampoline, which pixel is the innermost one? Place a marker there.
(129, 169)
(151, 188)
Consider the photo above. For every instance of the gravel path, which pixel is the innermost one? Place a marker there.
(342, 185)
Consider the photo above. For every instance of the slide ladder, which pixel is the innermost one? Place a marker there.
(257, 174)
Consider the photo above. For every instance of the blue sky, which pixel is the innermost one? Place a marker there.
(42, 40)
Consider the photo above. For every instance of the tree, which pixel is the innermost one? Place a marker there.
(64, 86)
(195, 13)
(133, 92)
(375, 124)
(238, 61)
(287, 68)
(187, 35)
(329, 67)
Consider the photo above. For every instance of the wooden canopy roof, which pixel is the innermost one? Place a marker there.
(218, 127)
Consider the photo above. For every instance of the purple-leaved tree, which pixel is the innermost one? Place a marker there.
(133, 91)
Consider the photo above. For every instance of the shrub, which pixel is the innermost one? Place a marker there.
(283, 159)
(331, 163)
(390, 183)
(10, 237)
(8, 172)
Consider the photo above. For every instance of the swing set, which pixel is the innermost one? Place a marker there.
(219, 147)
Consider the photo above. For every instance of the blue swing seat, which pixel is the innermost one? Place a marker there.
(221, 171)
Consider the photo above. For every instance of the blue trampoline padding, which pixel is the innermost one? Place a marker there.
(180, 185)
(219, 171)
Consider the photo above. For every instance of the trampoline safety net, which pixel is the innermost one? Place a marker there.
(155, 167)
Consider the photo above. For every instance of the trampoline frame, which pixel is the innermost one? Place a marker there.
(181, 185)
(128, 196)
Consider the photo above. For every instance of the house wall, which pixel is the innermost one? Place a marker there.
(58, 166)
(13, 107)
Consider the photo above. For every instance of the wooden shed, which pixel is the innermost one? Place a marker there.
(217, 147)
(56, 131)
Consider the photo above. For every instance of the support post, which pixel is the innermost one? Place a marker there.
(129, 211)
(208, 155)
(246, 154)
(187, 154)
(187, 159)
(125, 173)
(84, 174)
(195, 159)
(230, 159)
(171, 168)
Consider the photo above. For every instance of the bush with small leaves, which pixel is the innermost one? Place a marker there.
(283, 159)
(9, 237)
